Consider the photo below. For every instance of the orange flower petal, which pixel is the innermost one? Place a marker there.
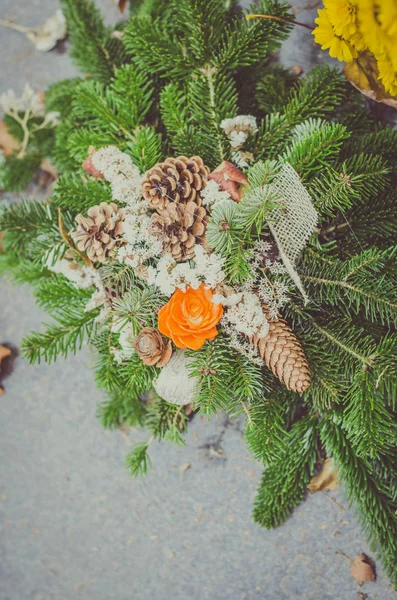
(190, 317)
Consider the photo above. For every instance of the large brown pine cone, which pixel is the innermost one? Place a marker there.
(175, 180)
(283, 354)
(180, 227)
(100, 231)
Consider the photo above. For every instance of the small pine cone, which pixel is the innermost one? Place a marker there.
(100, 231)
(152, 348)
(175, 180)
(180, 227)
(283, 354)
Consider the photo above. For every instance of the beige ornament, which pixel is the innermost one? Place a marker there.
(99, 233)
(152, 348)
(174, 384)
(176, 180)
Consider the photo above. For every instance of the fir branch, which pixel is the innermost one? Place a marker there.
(93, 50)
(74, 326)
(375, 507)
(137, 462)
(314, 144)
(284, 483)
(357, 284)
(76, 194)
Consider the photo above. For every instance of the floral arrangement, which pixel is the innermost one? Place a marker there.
(222, 233)
(165, 225)
(350, 27)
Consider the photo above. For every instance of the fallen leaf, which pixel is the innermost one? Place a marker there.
(8, 144)
(325, 480)
(363, 568)
(183, 468)
(216, 452)
(4, 353)
(121, 4)
(363, 73)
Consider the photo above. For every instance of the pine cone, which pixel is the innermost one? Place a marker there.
(180, 227)
(152, 348)
(283, 354)
(100, 232)
(175, 180)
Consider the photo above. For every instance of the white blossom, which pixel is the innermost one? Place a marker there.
(170, 275)
(97, 299)
(124, 177)
(213, 195)
(29, 102)
(46, 36)
(238, 138)
(246, 123)
(126, 341)
(247, 316)
(82, 276)
(141, 245)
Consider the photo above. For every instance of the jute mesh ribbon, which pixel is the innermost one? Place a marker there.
(293, 221)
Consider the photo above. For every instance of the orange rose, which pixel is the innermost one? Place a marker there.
(190, 318)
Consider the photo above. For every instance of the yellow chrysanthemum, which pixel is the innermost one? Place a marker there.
(343, 16)
(324, 34)
(388, 21)
(388, 76)
(375, 37)
(387, 15)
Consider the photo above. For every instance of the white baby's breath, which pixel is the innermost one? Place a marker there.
(124, 177)
(170, 275)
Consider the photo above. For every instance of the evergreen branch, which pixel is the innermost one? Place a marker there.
(284, 482)
(58, 340)
(137, 462)
(91, 42)
(375, 507)
(74, 193)
(358, 284)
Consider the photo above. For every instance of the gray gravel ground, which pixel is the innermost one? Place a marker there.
(73, 525)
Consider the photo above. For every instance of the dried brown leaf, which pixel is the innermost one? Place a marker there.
(327, 478)
(8, 144)
(4, 352)
(363, 568)
(363, 74)
(183, 468)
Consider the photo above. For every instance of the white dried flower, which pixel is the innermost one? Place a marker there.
(246, 123)
(170, 275)
(213, 195)
(97, 299)
(46, 36)
(29, 101)
(81, 276)
(141, 245)
(247, 317)
(123, 176)
(126, 341)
